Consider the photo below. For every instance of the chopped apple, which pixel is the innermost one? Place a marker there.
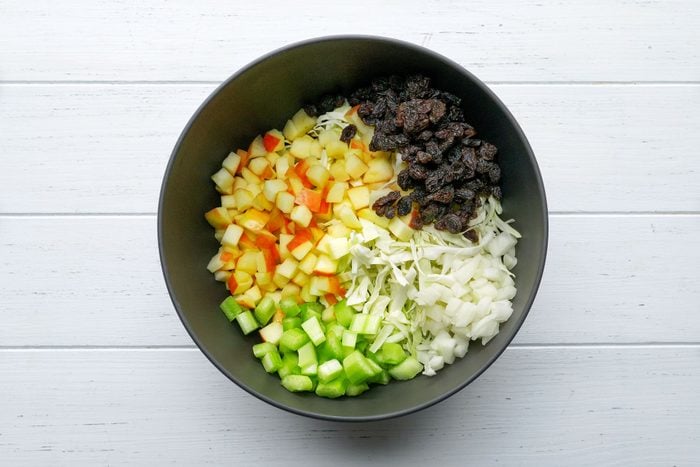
(307, 264)
(323, 244)
(305, 295)
(338, 229)
(261, 203)
(379, 170)
(273, 141)
(244, 199)
(284, 241)
(347, 216)
(254, 220)
(303, 121)
(325, 265)
(399, 228)
(250, 297)
(279, 280)
(281, 167)
(318, 285)
(222, 276)
(248, 262)
(232, 163)
(224, 181)
(264, 280)
(239, 183)
(370, 215)
(260, 167)
(257, 148)
(272, 158)
(301, 250)
(338, 247)
(301, 279)
(218, 218)
(228, 202)
(327, 136)
(284, 201)
(336, 149)
(288, 268)
(291, 290)
(318, 175)
(272, 332)
(272, 187)
(295, 184)
(363, 129)
(354, 166)
(359, 197)
(215, 263)
(239, 282)
(250, 177)
(218, 234)
(301, 147)
(336, 193)
(254, 188)
(338, 172)
(315, 150)
(301, 215)
(232, 235)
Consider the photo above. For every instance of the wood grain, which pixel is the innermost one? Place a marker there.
(96, 281)
(624, 406)
(103, 148)
(499, 40)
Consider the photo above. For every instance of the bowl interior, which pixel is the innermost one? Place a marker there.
(263, 96)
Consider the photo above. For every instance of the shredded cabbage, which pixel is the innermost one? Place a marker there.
(437, 291)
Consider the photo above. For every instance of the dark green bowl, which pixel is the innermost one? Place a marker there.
(263, 95)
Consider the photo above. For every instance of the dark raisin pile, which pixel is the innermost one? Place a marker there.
(448, 169)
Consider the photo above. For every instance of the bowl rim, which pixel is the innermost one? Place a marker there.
(519, 133)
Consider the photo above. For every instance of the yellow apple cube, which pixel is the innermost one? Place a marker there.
(257, 148)
(354, 166)
(399, 228)
(248, 262)
(301, 279)
(244, 199)
(244, 281)
(359, 197)
(347, 216)
(259, 166)
(307, 264)
(301, 215)
(284, 241)
(325, 265)
(250, 177)
(318, 175)
(288, 268)
(224, 181)
(281, 167)
(290, 290)
(370, 215)
(336, 149)
(232, 162)
(279, 280)
(301, 147)
(327, 136)
(272, 187)
(338, 230)
(302, 250)
(232, 235)
(284, 201)
(336, 193)
(338, 172)
(379, 170)
(218, 218)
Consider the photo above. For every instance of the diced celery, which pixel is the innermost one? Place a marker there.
(289, 306)
(359, 368)
(291, 323)
(231, 308)
(329, 370)
(382, 378)
(293, 339)
(343, 313)
(265, 310)
(332, 389)
(356, 389)
(259, 350)
(349, 339)
(307, 356)
(297, 383)
(247, 322)
(290, 365)
(272, 361)
(365, 324)
(313, 329)
(310, 370)
(333, 343)
(391, 354)
(308, 311)
(407, 369)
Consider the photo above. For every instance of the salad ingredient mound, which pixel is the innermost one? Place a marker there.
(343, 295)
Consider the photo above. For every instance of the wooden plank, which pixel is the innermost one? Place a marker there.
(499, 40)
(96, 281)
(545, 406)
(101, 148)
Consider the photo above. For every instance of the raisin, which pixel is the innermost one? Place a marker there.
(348, 133)
(471, 143)
(311, 110)
(483, 166)
(417, 85)
(390, 212)
(327, 104)
(496, 192)
(443, 195)
(405, 181)
(455, 114)
(417, 172)
(365, 110)
(487, 151)
(404, 206)
(424, 157)
(435, 180)
(472, 236)
(386, 200)
(382, 142)
(495, 173)
(464, 194)
(429, 213)
(424, 135)
(416, 222)
(437, 110)
(450, 222)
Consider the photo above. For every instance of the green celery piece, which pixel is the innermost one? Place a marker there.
(359, 368)
(290, 365)
(333, 342)
(391, 354)
(231, 308)
(313, 329)
(297, 383)
(332, 389)
(343, 313)
(356, 389)
(265, 310)
(408, 369)
(272, 361)
(315, 306)
(381, 378)
(290, 307)
(309, 312)
(247, 322)
(291, 322)
(307, 355)
(293, 339)
(329, 370)
(259, 350)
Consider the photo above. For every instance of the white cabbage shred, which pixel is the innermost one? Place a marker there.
(438, 291)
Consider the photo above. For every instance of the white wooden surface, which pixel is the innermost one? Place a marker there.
(97, 370)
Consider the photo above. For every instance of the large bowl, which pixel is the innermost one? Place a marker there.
(263, 95)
